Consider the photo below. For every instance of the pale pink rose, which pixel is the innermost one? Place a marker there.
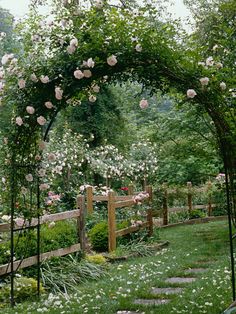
(204, 81)
(99, 4)
(44, 187)
(19, 121)
(71, 49)
(41, 120)
(90, 63)
(51, 157)
(223, 86)
(24, 190)
(138, 48)
(143, 104)
(87, 73)
(112, 60)
(209, 61)
(92, 98)
(44, 79)
(19, 222)
(38, 157)
(29, 177)
(48, 104)
(74, 42)
(30, 110)
(5, 59)
(21, 83)
(78, 74)
(191, 93)
(58, 93)
(34, 78)
(42, 172)
(96, 88)
(42, 145)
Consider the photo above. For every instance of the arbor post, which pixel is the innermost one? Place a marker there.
(89, 197)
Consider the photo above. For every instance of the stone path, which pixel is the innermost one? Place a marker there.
(167, 290)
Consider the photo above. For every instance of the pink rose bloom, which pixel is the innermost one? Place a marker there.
(30, 110)
(19, 121)
(41, 120)
(29, 177)
(96, 88)
(44, 79)
(1, 86)
(5, 59)
(42, 172)
(223, 86)
(191, 93)
(87, 73)
(71, 49)
(143, 104)
(90, 63)
(19, 222)
(78, 74)
(42, 145)
(138, 48)
(58, 93)
(112, 60)
(34, 78)
(21, 83)
(51, 157)
(48, 104)
(92, 98)
(204, 81)
(44, 187)
(209, 61)
(74, 42)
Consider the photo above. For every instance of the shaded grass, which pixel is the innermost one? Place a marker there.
(133, 279)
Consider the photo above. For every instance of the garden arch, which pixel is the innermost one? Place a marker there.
(71, 58)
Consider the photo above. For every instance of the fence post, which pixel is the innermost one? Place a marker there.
(130, 189)
(149, 211)
(209, 187)
(165, 205)
(111, 222)
(89, 197)
(190, 196)
(81, 222)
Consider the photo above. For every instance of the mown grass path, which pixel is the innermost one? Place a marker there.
(198, 246)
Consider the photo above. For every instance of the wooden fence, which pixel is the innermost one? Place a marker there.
(115, 202)
(189, 201)
(78, 214)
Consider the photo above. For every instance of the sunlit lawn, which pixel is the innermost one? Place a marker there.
(127, 281)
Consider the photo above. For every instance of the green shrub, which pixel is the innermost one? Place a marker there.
(98, 236)
(25, 288)
(196, 213)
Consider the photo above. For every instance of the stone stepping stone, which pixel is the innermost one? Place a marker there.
(180, 280)
(151, 301)
(167, 290)
(195, 270)
(129, 312)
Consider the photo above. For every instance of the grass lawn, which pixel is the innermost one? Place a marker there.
(204, 246)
